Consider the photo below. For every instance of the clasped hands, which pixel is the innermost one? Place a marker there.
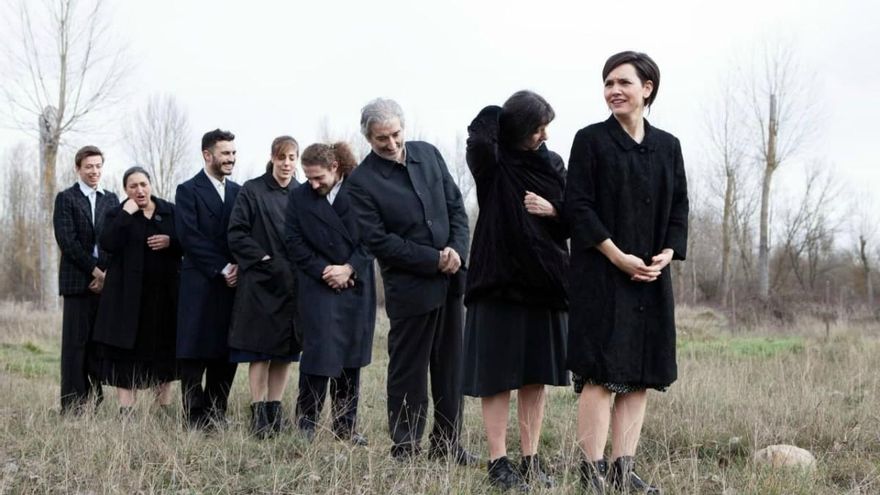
(449, 262)
(338, 277)
(638, 271)
(97, 283)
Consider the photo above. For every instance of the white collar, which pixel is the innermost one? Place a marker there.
(334, 191)
(217, 183)
(86, 190)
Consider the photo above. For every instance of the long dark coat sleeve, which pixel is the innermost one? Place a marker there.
(635, 194)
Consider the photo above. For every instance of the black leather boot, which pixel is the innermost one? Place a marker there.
(593, 476)
(259, 421)
(622, 477)
(503, 476)
(532, 471)
(275, 416)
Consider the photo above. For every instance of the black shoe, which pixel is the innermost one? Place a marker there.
(622, 477)
(404, 452)
(260, 428)
(533, 472)
(458, 453)
(275, 416)
(196, 419)
(593, 476)
(503, 476)
(356, 439)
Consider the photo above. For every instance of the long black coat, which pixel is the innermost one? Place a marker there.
(515, 256)
(337, 327)
(124, 238)
(265, 302)
(205, 301)
(406, 215)
(622, 331)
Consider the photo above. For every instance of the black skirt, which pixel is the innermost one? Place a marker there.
(509, 345)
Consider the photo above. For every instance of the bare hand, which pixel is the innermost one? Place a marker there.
(231, 276)
(97, 285)
(660, 261)
(129, 206)
(636, 268)
(538, 206)
(158, 241)
(98, 274)
(338, 276)
(452, 261)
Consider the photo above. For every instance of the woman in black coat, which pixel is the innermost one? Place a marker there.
(262, 329)
(516, 324)
(137, 316)
(626, 201)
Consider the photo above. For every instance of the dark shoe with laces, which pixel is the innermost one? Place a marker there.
(504, 476)
(622, 476)
(275, 416)
(593, 476)
(458, 454)
(532, 471)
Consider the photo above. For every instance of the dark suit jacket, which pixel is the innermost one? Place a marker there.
(205, 301)
(76, 237)
(337, 327)
(406, 216)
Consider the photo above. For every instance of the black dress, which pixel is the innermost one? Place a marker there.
(517, 323)
(152, 359)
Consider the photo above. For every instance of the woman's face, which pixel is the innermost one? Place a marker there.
(284, 164)
(625, 93)
(537, 138)
(138, 189)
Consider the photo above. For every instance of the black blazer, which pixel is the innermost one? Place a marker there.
(76, 237)
(406, 216)
(124, 236)
(337, 326)
(205, 301)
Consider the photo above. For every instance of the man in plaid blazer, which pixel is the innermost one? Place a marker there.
(78, 219)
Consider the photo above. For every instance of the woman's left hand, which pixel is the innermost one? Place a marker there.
(158, 241)
(660, 261)
(538, 206)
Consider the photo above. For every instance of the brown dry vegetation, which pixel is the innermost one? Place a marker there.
(738, 392)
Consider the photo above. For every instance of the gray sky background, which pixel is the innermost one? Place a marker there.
(262, 69)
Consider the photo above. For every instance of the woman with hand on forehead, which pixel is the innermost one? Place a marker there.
(137, 317)
(627, 207)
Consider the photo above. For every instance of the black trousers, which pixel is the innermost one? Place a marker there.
(78, 361)
(208, 402)
(416, 345)
(344, 393)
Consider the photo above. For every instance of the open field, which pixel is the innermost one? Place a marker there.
(737, 393)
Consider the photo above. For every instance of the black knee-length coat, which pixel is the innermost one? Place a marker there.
(622, 331)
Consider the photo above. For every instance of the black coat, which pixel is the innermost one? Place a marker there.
(406, 216)
(77, 236)
(622, 331)
(515, 256)
(265, 302)
(205, 301)
(124, 237)
(337, 326)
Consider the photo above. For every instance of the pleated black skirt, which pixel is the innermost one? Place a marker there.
(509, 345)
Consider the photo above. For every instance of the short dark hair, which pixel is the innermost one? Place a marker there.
(85, 152)
(646, 69)
(521, 116)
(137, 169)
(212, 137)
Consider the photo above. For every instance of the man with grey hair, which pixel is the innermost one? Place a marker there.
(412, 218)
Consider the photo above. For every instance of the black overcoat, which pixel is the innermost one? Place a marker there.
(622, 331)
(515, 256)
(337, 326)
(124, 238)
(205, 304)
(265, 302)
(406, 215)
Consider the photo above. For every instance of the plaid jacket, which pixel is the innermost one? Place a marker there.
(76, 237)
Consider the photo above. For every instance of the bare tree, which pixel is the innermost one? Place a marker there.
(158, 137)
(864, 230)
(21, 224)
(61, 68)
(782, 116)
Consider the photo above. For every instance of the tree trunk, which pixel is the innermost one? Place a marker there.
(726, 233)
(764, 241)
(49, 140)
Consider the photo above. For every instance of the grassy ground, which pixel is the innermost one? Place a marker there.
(737, 393)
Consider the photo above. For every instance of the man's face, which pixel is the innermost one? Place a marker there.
(322, 179)
(89, 170)
(386, 139)
(220, 158)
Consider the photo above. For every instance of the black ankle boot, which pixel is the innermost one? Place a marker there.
(503, 476)
(622, 477)
(259, 422)
(593, 476)
(532, 471)
(275, 416)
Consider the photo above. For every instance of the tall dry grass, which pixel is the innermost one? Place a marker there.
(737, 392)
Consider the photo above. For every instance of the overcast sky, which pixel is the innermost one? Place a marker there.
(262, 69)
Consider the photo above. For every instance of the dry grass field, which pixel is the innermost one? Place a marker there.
(738, 392)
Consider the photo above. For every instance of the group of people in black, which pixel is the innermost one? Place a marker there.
(273, 272)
